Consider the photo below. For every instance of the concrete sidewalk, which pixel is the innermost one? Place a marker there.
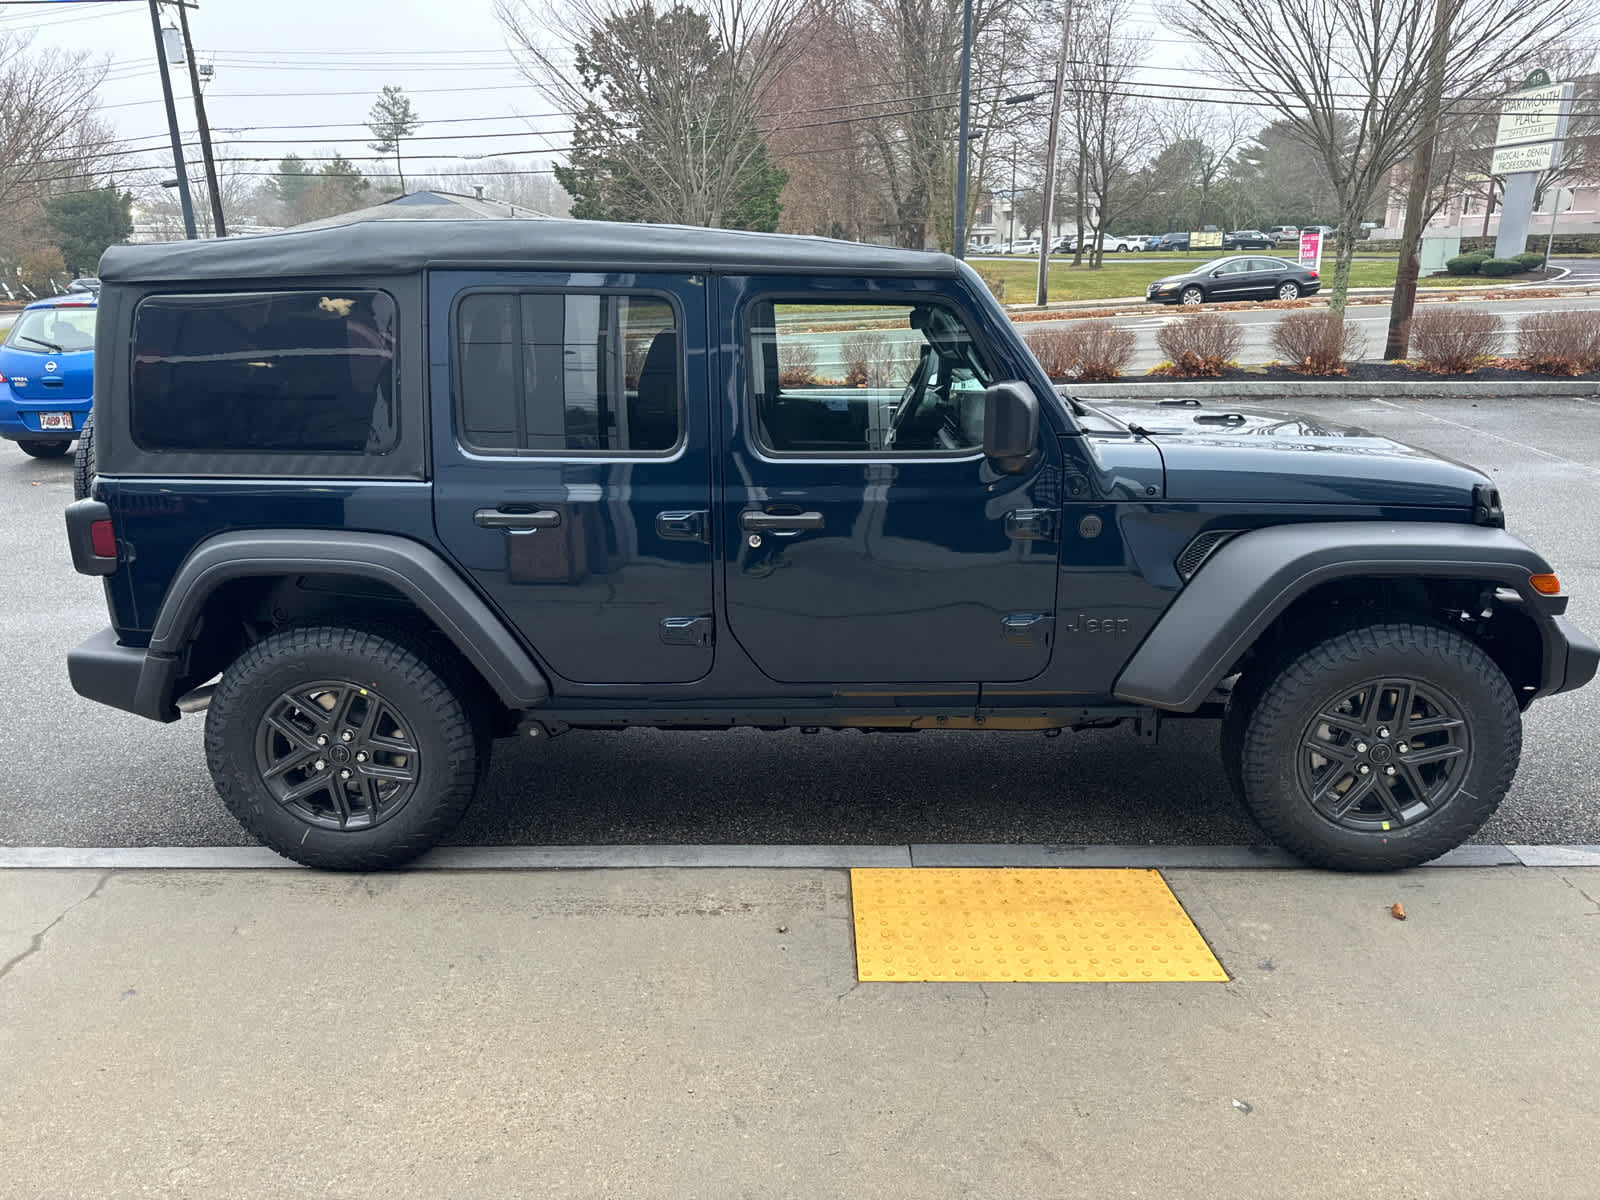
(701, 1033)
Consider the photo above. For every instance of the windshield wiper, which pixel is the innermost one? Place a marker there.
(50, 346)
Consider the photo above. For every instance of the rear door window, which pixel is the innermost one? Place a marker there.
(568, 373)
(301, 372)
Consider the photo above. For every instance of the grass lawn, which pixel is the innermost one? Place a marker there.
(1131, 279)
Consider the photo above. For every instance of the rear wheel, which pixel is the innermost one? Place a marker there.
(43, 449)
(344, 748)
(1289, 291)
(1378, 748)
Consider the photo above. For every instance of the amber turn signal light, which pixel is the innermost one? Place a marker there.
(1545, 585)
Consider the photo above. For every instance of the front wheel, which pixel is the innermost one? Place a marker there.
(1191, 297)
(44, 449)
(344, 748)
(1377, 748)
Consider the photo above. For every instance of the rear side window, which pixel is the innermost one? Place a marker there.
(266, 372)
(565, 373)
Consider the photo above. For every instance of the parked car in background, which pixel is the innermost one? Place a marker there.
(1246, 239)
(1174, 241)
(1282, 234)
(1327, 231)
(1024, 246)
(1236, 279)
(47, 374)
(1152, 241)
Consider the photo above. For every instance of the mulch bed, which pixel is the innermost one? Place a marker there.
(1378, 372)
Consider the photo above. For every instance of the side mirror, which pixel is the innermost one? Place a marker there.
(1010, 425)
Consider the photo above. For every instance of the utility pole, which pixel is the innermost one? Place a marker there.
(1410, 265)
(1043, 291)
(201, 123)
(962, 149)
(172, 123)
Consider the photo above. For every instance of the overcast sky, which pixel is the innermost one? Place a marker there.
(282, 63)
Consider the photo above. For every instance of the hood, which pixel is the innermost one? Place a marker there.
(1228, 453)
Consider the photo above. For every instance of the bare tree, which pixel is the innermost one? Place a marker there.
(669, 100)
(1111, 125)
(1208, 136)
(1349, 75)
(51, 139)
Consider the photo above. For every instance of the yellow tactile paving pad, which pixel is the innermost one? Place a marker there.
(1055, 925)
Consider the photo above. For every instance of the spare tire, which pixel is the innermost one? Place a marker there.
(83, 461)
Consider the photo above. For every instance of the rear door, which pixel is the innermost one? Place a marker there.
(572, 475)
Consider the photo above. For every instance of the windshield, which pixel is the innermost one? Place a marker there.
(64, 330)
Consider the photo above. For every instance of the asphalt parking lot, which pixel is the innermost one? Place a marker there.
(76, 774)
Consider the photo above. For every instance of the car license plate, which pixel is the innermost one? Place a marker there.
(55, 421)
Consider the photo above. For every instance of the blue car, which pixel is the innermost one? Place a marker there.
(47, 374)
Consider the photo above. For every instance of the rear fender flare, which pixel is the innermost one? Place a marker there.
(408, 567)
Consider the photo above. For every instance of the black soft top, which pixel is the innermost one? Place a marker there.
(402, 247)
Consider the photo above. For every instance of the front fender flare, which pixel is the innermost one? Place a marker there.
(1248, 582)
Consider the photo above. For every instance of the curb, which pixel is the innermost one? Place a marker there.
(1201, 389)
(545, 858)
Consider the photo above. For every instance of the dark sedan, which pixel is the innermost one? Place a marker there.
(1246, 239)
(1236, 279)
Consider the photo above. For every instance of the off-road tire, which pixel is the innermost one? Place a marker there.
(1270, 718)
(435, 700)
(83, 461)
(36, 448)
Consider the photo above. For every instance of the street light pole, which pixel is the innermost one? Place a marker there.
(201, 124)
(172, 124)
(962, 149)
(1042, 292)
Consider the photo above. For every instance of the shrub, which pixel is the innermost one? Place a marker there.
(1529, 260)
(36, 270)
(1462, 264)
(1500, 266)
(1450, 339)
(1199, 343)
(1560, 343)
(797, 363)
(1093, 351)
(1318, 343)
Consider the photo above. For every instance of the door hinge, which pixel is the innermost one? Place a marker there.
(688, 631)
(1031, 524)
(684, 526)
(1027, 629)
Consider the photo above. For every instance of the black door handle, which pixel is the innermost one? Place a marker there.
(764, 522)
(499, 518)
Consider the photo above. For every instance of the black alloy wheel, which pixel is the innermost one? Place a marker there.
(1384, 754)
(338, 755)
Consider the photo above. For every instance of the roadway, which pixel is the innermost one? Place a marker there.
(77, 774)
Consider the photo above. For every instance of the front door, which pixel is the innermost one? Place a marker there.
(866, 537)
(572, 473)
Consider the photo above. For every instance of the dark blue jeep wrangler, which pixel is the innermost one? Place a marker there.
(408, 486)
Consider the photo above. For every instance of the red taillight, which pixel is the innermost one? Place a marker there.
(103, 539)
(1313, 274)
